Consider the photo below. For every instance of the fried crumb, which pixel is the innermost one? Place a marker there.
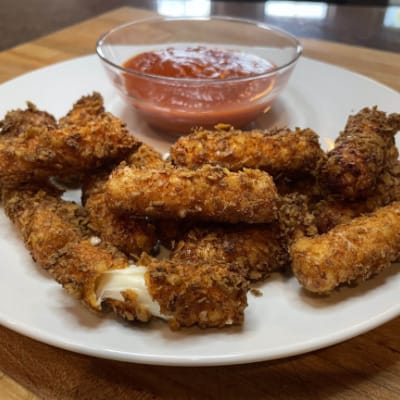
(256, 292)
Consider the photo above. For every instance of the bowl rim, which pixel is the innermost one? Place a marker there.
(297, 45)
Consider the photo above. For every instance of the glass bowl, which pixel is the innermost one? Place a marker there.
(179, 104)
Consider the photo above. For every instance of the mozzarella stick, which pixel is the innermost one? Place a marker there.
(362, 152)
(253, 250)
(207, 193)
(204, 294)
(348, 252)
(277, 152)
(330, 211)
(84, 143)
(56, 233)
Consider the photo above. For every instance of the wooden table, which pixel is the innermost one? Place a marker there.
(366, 367)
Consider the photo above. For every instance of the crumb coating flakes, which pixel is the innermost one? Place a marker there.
(254, 251)
(56, 233)
(146, 157)
(349, 252)
(75, 146)
(294, 217)
(208, 193)
(277, 152)
(219, 176)
(207, 295)
(331, 211)
(129, 234)
(16, 122)
(361, 153)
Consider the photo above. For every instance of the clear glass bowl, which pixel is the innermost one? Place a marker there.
(179, 104)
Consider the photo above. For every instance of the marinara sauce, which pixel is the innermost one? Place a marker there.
(173, 96)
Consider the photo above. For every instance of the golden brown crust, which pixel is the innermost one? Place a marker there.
(294, 217)
(207, 295)
(254, 251)
(277, 152)
(129, 234)
(16, 122)
(167, 230)
(57, 235)
(85, 109)
(79, 264)
(41, 151)
(356, 250)
(361, 153)
(330, 211)
(145, 156)
(205, 280)
(208, 193)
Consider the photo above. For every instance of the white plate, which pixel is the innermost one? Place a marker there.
(283, 322)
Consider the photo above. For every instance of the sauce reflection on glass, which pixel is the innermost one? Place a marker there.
(178, 88)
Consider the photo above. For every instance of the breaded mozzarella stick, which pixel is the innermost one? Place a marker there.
(42, 151)
(207, 193)
(330, 211)
(362, 152)
(356, 250)
(56, 233)
(204, 294)
(253, 250)
(277, 152)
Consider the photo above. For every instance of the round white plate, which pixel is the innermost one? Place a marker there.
(283, 322)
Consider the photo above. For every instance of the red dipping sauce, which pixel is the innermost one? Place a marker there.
(178, 88)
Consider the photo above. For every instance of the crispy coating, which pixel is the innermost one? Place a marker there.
(145, 156)
(20, 204)
(83, 111)
(167, 230)
(41, 151)
(56, 233)
(130, 235)
(16, 122)
(252, 250)
(295, 218)
(306, 185)
(330, 211)
(208, 295)
(218, 176)
(209, 193)
(204, 294)
(361, 153)
(348, 252)
(277, 152)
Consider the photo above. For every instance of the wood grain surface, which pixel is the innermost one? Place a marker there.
(366, 367)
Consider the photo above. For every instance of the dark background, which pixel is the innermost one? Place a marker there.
(360, 22)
